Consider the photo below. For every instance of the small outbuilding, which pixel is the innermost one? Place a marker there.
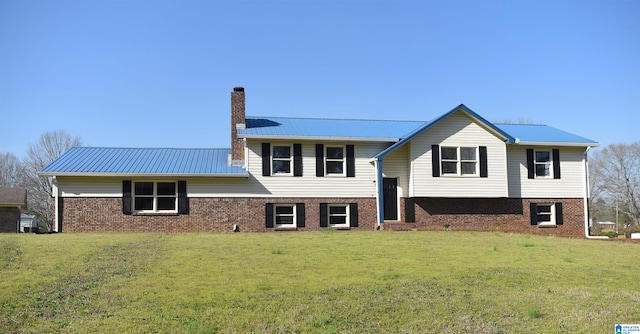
(12, 202)
(28, 223)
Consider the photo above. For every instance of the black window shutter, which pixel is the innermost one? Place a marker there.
(183, 200)
(435, 160)
(353, 214)
(531, 169)
(126, 197)
(60, 213)
(266, 159)
(556, 163)
(533, 211)
(351, 161)
(300, 214)
(483, 161)
(559, 217)
(324, 215)
(319, 160)
(297, 159)
(268, 215)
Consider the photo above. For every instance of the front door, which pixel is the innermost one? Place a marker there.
(390, 196)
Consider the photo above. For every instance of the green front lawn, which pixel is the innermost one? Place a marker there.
(324, 282)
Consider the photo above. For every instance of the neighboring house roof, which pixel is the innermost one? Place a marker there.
(326, 129)
(103, 161)
(13, 197)
(527, 134)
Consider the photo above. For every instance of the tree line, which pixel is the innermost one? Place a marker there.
(615, 185)
(16, 173)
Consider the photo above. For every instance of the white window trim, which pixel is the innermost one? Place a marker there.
(536, 163)
(276, 215)
(346, 215)
(343, 160)
(155, 196)
(459, 162)
(552, 215)
(290, 160)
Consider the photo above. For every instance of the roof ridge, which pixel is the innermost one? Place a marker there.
(154, 148)
(340, 119)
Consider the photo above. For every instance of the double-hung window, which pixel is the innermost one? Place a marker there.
(543, 164)
(338, 215)
(334, 160)
(285, 215)
(459, 160)
(155, 196)
(281, 160)
(546, 214)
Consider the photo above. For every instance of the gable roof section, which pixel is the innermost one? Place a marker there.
(13, 196)
(527, 134)
(107, 161)
(488, 125)
(326, 129)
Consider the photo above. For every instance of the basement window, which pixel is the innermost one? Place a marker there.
(285, 215)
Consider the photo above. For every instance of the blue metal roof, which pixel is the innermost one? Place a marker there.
(310, 128)
(543, 134)
(511, 133)
(144, 162)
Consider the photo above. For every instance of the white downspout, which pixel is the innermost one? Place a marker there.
(586, 198)
(54, 191)
(379, 193)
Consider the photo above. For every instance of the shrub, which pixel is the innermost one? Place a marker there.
(611, 234)
(631, 229)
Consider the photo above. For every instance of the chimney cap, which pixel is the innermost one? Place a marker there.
(238, 89)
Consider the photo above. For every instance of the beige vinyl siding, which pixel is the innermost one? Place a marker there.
(570, 185)
(309, 185)
(458, 130)
(89, 186)
(396, 165)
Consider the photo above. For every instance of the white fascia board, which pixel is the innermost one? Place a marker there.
(320, 138)
(145, 175)
(542, 143)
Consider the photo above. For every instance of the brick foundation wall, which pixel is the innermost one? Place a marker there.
(205, 215)
(499, 214)
(9, 218)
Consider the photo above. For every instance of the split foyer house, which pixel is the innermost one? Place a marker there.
(282, 173)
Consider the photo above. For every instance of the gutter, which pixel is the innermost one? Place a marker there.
(541, 143)
(586, 199)
(317, 138)
(54, 174)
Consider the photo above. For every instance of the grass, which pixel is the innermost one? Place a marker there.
(318, 282)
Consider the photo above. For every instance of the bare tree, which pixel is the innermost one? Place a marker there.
(50, 146)
(11, 171)
(615, 175)
(521, 121)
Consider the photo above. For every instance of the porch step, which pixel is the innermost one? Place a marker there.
(399, 226)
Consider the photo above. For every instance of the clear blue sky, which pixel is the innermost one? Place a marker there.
(148, 73)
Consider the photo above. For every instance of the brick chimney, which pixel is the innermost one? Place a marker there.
(237, 122)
